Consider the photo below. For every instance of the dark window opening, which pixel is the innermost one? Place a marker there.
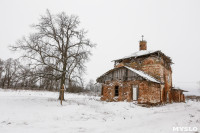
(116, 90)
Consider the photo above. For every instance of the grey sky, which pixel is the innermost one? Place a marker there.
(172, 26)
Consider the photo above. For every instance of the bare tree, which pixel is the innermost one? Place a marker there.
(26, 78)
(1, 71)
(9, 71)
(46, 81)
(96, 88)
(90, 86)
(1, 67)
(58, 43)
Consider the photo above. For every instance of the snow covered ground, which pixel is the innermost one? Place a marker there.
(40, 112)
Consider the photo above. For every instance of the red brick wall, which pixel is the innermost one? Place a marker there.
(148, 92)
(175, 96)
(178, 96)
(124, 91)
(143, 45)
(155, 67)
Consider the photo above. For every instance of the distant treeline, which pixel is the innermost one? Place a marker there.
(14, 75)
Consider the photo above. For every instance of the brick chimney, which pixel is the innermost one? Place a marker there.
(143, 44)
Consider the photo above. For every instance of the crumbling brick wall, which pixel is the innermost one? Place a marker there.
(148, 92)
(124, 91)
(156, 67)
(177, 96)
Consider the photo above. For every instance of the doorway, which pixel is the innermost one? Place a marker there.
(135, 93)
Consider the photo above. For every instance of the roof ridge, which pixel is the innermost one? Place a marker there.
(138, 54)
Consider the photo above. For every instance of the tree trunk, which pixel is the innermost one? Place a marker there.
(61, 84)
(8, 86)
(70, 83)
(3, 83)
(63, 80)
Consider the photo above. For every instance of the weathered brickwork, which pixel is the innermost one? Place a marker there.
(155, 64)
(147, 92)
(124, 91)
(177, 95)
(143, 45)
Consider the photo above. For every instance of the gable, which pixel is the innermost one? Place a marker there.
(125, 73)
(143, 75)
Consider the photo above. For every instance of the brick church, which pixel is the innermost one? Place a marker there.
(144, 76)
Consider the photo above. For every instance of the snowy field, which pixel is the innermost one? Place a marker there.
(40, 112)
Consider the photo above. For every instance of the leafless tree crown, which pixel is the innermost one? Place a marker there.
(58, 49)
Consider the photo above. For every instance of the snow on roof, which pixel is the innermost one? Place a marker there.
(173, 88)
(139, 53)
(142, 74)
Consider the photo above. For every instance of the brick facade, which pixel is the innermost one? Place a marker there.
(148, 92)
(177, 95)
(155, 64)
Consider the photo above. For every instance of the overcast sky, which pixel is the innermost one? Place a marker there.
(116, 26)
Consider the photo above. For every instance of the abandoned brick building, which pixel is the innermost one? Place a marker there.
(144, 76)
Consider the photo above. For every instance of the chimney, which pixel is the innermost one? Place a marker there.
(143, 44)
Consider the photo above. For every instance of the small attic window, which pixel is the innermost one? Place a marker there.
(116, 90)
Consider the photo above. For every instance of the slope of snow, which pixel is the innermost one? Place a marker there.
(138, 53)
(142, 74)
(41, 112)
